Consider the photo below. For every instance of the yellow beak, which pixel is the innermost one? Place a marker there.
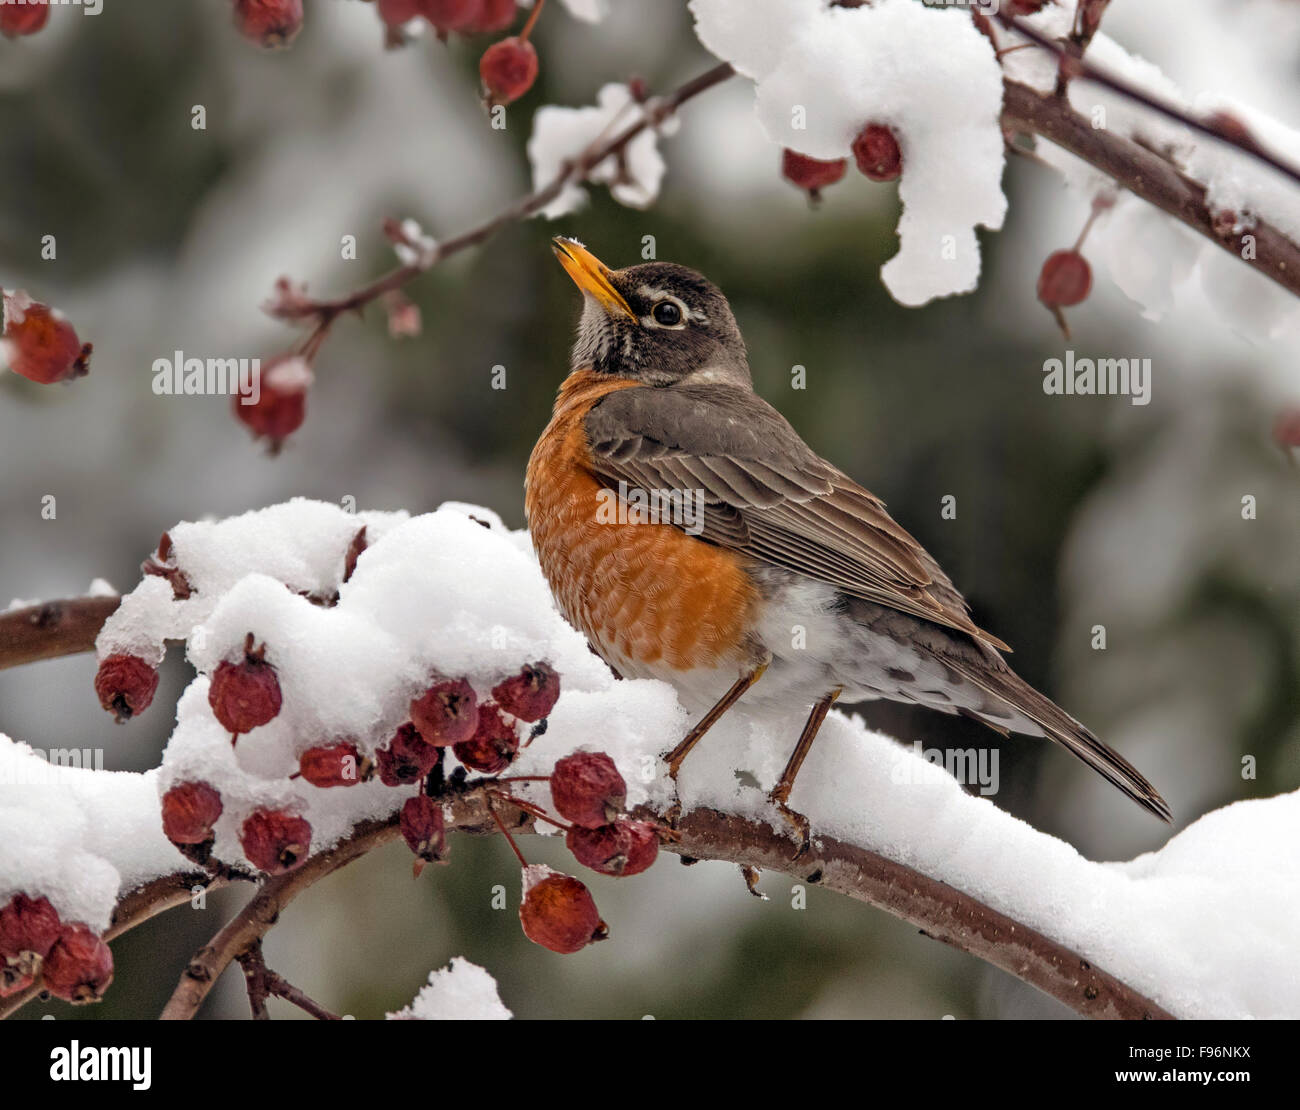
(590, 274)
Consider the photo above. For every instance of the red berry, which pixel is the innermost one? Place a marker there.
(493, 746)
(623, 848)
(38, 342)
(811, 174)
(877, 152)
(79, 967)
(29, 928)
(270, 23)
(1065, 280)
(558, 913)
(334, 765)
(531, 694)
(281, 400)
(493, 15)
(246, 694)
(423, 828)
(451, 15)
(587, 789)
(23, 19)
(1025, 7)
(407, 759)
(446, 713)
(125, 685)
(1286, 428)
(189, 810)
(275, 841)
(508, 69)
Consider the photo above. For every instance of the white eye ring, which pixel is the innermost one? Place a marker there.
(652, 321)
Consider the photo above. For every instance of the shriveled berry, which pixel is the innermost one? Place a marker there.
(23, 19)
(493, 15)
(446, 713)
(1025, 7)
(334, 765)
(79, 967)
(281, 400)
(424, 828)
(189, 810)
(1065, 279)
(508, 69)
(125, 685)
(38, 342)
(275, 841)
(29, 928)
(622, 848)
(558, 913)
(493, 746)
(531, 694)
(246, 694)
(877, 152)
(407, 758)
(451, 15)
(273, 24)
(811, 174)
(587, 789)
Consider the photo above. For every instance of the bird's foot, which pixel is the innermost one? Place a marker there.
(800, 824)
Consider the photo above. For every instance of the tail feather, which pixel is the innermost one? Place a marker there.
(1007, 686)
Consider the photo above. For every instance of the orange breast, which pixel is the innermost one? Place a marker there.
(646, 592)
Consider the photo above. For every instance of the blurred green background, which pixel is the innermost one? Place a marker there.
(1072, 512)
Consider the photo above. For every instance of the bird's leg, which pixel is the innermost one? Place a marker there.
(781, 792)
(743, 683)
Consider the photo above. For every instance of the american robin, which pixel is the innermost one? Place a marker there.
(687, 530)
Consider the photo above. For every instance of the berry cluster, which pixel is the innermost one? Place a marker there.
(37, 341)
(875, 149)
(484, 726)
(72, 959)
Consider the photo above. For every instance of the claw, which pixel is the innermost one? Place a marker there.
(803, 830)
(751, 876)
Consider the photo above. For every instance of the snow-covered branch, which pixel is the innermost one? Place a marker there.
(332, 765)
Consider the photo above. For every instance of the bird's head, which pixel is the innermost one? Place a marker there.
(657, 323)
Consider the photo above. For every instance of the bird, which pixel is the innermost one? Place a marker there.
(686, 529)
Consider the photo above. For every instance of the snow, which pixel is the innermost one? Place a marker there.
(1205, 926)
(461, 991)
(80, 837)
(561, 134)
(822, 74)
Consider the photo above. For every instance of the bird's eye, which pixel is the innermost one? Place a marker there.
(667, 313)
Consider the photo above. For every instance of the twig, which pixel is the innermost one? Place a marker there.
(1212, 126)
(653, 113)
(52, 628)
(263, 983)
(262, 911)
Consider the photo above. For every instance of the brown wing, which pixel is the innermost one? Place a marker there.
(768, 495)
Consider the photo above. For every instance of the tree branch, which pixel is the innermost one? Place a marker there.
(52, 628)
(653, 113)
(1148, 176)
(938, 910)
(1212, 126)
